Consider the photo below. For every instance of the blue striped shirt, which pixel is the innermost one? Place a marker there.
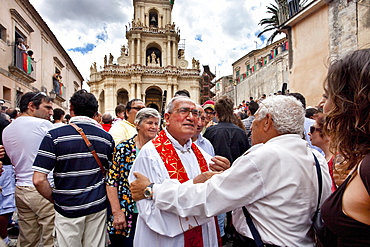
(79, 183)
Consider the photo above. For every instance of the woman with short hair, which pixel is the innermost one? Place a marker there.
(122, 220)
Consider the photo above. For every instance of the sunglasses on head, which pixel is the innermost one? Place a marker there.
(37, 95)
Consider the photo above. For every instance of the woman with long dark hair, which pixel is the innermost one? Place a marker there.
(347, 211)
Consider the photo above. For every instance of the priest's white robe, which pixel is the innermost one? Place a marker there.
(160, 228)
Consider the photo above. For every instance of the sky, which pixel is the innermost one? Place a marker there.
(216, 32)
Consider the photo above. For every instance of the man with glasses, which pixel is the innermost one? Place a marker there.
(209, 111)
(173, 155)
(122, 130)
(21, 140)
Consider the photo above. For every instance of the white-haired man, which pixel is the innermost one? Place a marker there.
(172, 155)
(275, 180)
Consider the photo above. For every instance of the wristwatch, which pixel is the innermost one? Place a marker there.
(148, 192)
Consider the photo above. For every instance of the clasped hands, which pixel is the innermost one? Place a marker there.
(219, 165)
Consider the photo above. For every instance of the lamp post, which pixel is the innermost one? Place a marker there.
(52, 94)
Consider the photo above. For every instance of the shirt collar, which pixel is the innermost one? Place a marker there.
(176, 144)
(85, 120)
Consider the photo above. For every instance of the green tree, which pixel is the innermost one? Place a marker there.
(279, 14)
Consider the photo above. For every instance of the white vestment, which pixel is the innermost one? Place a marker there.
(160, 228)
(276, 181)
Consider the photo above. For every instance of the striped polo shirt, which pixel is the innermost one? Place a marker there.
(79, 183)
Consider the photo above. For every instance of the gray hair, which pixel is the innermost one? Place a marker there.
(286, 111)
(171, 104)
(107, 118)
(146, 113)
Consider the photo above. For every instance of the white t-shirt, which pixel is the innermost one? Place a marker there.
(22, 139)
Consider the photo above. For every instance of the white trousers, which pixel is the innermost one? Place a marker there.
(84, 231)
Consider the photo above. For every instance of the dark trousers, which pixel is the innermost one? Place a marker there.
(241, 241)
(118, 240)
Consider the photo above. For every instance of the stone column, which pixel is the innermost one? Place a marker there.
(138, 91)
(174, 53)
(138, 48)
(132, 51)
(168, 52)
(175, 87)
(132, 90)
(110, 96)
(169, 88)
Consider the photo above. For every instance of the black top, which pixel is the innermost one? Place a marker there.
(350, 232)
(3, 124)
(228, 140)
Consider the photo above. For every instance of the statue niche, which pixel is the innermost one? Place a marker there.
(153, 57)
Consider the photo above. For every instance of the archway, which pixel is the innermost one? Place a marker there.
(153, 98)
(122, 96)
(153, 55)
(153, 18)
(101, 102)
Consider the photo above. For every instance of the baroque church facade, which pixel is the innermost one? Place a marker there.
(151, 66)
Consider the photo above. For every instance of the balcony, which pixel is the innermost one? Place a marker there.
(24, 67)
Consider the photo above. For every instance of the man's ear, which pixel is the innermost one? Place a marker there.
(268, 122)
(31, 106)
(166, 118)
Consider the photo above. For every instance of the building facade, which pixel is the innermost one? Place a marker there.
(319, 33)
(31, 56)
(224, 86)
(261, 71)
(152, 64)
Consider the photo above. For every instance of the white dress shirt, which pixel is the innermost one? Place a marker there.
(276, 181)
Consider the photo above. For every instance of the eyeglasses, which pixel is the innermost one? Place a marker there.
(210, 112)
(37, 95)
(313, 129)
(137, 108)
(185, 111)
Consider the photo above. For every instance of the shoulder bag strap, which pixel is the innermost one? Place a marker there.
(319, 176)
(253, 229)
(89, 145)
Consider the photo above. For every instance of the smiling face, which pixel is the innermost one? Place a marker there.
(148, 128)
(181, 127)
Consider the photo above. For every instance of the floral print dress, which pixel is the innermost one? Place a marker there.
(123, 158)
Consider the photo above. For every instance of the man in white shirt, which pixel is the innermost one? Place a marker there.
(276, 180)
(173, 155)
(21, 140)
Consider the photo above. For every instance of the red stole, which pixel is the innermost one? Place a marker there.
(170, 158)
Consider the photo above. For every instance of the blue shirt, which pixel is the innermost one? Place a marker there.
(205, 145)
(79, 183)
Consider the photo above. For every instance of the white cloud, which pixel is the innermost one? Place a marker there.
(227, 29)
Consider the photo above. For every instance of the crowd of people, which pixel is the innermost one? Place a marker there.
(197, 175)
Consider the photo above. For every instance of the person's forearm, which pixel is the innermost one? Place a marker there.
(113, 198)
(43, 186)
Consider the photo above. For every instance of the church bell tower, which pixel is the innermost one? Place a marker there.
(153, 39)
(151, 65)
